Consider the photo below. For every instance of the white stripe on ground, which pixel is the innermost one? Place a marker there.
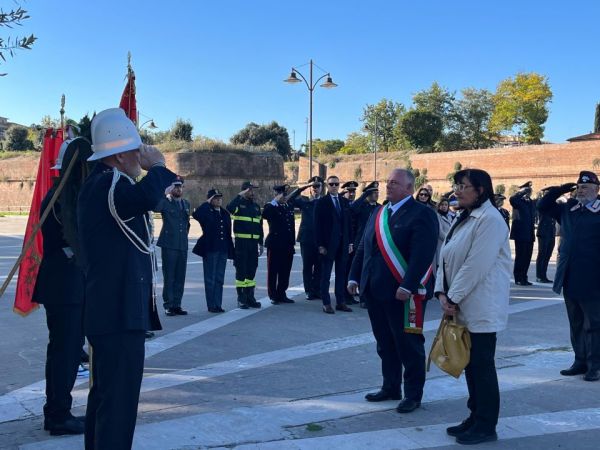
(29, 401)
(271, 422)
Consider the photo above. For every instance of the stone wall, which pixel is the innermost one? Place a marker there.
(224, 170)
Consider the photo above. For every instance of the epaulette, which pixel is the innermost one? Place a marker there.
(594, 207)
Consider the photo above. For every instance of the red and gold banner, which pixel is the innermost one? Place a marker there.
(28, 269)
(128, 102)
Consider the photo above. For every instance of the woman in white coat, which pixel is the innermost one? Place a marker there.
(473, 282)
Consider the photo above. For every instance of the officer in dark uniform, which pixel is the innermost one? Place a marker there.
(311, 264)
(280, 241)
(499, 200)
(349, 190)
(578, 268)
(522, 231)
(360, 211)
(215, 246)
(546, 236)
(60, 288)
(173, 242)
(248, 233)
(116, 239)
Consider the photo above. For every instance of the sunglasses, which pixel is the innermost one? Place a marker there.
(423, 194)
(333, 184)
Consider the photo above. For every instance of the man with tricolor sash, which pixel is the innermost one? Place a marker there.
(392, 268)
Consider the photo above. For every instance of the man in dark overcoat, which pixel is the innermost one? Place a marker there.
(546, 236)
(522, 231)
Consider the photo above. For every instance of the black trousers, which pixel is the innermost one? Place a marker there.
(174, 266)
(340, 277)
(279, 266)
(65, 336)
(245, 261)
(523, 252)
(117, 367)
(402, 354)
(311, 268)
(482, 382)
(584, 324)
(545, 249)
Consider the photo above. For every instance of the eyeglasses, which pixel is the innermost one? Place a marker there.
(460, 187)
(333, 184)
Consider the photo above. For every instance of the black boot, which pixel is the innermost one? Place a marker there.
(241, 298)
(251, 299)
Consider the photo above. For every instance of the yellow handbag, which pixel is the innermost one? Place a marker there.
(451, 348)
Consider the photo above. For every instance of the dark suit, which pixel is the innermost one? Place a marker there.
(60, 288)
(173, 241)
(546, 234)
(577, 272)
(522, 232)
(119, 307)
(414, 228)
(311, 263)
(332, 231)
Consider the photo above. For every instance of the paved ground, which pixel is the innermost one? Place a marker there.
(291, 377)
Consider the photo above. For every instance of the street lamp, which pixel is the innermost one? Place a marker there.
(152, 125)
(328, 84)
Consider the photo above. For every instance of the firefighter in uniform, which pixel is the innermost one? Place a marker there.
(280, 241)
(248, 233)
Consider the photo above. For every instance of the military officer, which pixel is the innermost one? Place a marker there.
(546, 236)
(116, 240)
(578, 267)
(311, 264)
(349, 190)
(173, 242)
(499, 200)
(248, 233)
(280, 241)
(522, 231)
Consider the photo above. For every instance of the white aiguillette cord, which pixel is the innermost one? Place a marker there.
(145, 248)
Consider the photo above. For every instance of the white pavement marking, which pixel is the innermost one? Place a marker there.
(29, 400)
(432, 436)
(272, 422)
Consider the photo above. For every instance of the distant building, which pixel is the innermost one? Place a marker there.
(585, 137)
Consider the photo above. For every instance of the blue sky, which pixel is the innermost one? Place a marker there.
(221, 64)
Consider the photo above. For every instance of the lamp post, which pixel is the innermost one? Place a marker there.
(329, 84)
(152, 125)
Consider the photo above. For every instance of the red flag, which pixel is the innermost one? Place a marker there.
(28, 269)
(128, 103)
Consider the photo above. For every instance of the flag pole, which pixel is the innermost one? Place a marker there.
(62, 113)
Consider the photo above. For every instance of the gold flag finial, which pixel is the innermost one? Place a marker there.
(62, 111)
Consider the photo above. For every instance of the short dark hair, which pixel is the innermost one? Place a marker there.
(332, 176)
(479, 179)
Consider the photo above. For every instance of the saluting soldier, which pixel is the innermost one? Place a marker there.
(578, 268)
(173, 242)
(522, 231)
(349, 190)
(499, 200)
(248, 233)
(115, 232)
(280, 241)
(311, 264)
(546, 236)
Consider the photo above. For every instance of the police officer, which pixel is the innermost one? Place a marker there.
(349, 190)
(280, 241)
(522, 231)
(248, 233)
(499, 200)
(311, 265)
(215, 246)
(546, 236)
(60, 288)
(116, 239)
(360, 211)
(578, 268)
(173, 242)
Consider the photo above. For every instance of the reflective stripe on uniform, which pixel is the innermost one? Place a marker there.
(250, 283)
(247, 219)
(246, 236)
(240, 283)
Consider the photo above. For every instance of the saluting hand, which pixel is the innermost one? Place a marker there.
(150, 156)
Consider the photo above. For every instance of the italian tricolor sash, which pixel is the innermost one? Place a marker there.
(413, 308)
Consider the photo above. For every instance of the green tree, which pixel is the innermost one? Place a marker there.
(355, 143)
(437, 100)
(327, 146)
(16, 139)
(271, 134)
(457, 167)
(85, 127)
(422, 128)
(597, 119)
(473, 113)
(9, 19)
(500, 189)
(381, 120)
(182, 130)
(521, 103)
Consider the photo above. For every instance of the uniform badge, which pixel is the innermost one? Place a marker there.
(594, 207)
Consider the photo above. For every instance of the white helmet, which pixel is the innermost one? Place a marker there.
(112, 133)
(61, 154)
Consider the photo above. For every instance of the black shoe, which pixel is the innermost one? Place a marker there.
(275, 302)
(381, 396)
(472, 437)
(460, 429)
(287, 300)
(213, 310)
(71, 425)
(343, 307)
(592, 375)
(407, 405)
(149, 334)
(180, 312)
(327, 309)
(543, 280)
(523, 283)
(48, 422)
(242, 305)
(575, 369)
(221, 310)
(256, 305)
(170, 312)
(352, 301)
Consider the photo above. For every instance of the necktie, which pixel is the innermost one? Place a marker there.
(337, 204)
